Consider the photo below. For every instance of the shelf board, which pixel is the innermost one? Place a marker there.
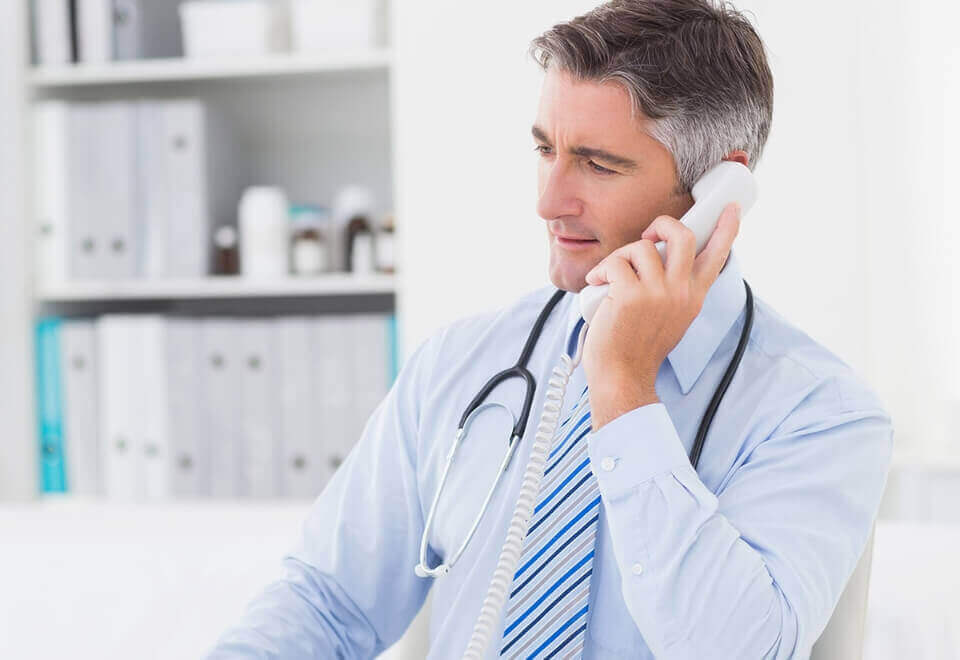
(333, 284)
(179, 68)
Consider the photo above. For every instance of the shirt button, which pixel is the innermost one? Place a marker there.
(608, 463)
(637, 569)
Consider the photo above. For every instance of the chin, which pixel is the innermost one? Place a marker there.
(567, 276)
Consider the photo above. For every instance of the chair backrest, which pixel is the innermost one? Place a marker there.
(842, 639)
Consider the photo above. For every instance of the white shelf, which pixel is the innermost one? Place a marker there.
(173, 69)
(332, 284)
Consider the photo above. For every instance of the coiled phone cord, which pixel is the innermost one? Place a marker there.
(522, 514)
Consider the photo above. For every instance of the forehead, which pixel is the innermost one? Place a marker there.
(586, 112)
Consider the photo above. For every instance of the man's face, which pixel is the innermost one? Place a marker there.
(604, 199)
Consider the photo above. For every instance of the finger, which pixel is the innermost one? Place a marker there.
(681, 246)
(616, 271)
(645, 261)
(706, 267)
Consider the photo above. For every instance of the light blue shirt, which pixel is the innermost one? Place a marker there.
(744, 558)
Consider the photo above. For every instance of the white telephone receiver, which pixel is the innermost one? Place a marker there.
(726, 182)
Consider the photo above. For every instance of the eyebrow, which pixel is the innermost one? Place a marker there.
(590, 152)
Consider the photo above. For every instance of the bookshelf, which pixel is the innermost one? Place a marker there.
(309, 123)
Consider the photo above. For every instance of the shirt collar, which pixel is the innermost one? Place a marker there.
(721, 308)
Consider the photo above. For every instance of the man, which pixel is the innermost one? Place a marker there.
(631, 552)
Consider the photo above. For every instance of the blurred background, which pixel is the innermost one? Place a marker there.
(216, 212)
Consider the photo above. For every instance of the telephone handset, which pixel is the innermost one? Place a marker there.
(728, 181)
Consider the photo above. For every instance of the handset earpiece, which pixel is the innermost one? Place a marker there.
(727, 181)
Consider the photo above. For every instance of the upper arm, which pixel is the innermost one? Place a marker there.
(807, 495)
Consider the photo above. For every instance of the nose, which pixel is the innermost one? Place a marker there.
(558, 191)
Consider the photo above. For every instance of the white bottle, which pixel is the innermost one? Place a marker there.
(264, 232)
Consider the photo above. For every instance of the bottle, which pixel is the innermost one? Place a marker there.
(359, 245)
(309, 247)
(385, 246)
(264, 231)
(226, 256)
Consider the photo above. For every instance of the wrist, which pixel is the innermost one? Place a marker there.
(613, 397)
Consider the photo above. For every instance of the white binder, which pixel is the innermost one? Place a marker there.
(184, 138)
(94, 30)
(302, 470)
(371, 363)
(51, 192)
(259, 381)
(52, 33)
(172, 177)
(78, 355)
(189, 449)
(128, 29)
(336, 424)
(84, 240)
(221, 369)
(122, 457)
(114, 192)
(151, 424)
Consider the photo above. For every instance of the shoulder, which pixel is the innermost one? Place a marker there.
(461, 337)
(501, 321)
(802, 373)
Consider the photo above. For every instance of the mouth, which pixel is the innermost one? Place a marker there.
(574, 243)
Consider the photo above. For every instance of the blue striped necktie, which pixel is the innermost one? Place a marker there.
(546, 613)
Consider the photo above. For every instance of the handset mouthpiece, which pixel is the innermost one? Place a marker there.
(590, 298)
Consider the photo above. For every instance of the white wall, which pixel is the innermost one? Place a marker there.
(847, 240)
(465, 98)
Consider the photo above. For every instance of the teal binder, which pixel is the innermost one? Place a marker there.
(53, 478)
(392, 349)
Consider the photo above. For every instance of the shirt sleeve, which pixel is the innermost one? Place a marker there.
(348, 588)
(755, 570)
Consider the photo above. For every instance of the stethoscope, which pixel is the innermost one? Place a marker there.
(519, 370)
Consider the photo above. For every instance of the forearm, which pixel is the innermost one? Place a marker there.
(694, 588)
(302, 615)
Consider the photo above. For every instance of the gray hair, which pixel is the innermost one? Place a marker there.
(696, 72)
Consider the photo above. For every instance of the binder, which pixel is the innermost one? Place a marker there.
(151, 433)
(172, 178)
(84, 244)
(101, 159)
(49, 407)
(186, 167)
(371, 368)
(259, 380)
(221, 373)
(94, 30)
(145, 29)
(51, 192)
(114, 192)
(153, 191)
(335, 420)
(52, 32)
(188, 445)
(119, 374)
(78, 365)
(127, 30)
(302, 470)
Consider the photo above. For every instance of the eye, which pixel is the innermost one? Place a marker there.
(541, 148)
(600, 169)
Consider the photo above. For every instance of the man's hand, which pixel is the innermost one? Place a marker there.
(648, 309)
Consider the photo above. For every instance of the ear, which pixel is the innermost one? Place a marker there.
(739, 156)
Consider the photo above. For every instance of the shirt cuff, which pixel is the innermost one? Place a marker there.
(633, 448)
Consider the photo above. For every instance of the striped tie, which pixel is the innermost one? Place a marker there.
(547, 609)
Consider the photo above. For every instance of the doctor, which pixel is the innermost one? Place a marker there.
(634, 554)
